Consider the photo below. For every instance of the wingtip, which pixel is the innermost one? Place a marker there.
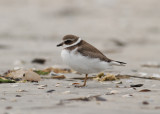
(118, 63)
(123, 63)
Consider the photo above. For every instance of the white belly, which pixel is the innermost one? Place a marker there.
(83, 64)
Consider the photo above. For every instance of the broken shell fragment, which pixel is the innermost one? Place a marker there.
(145, 90)
(21, 90)
(114, 92)
(31, 76)
(127, 96)
(16, 74)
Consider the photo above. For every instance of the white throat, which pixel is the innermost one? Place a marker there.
(78, 41)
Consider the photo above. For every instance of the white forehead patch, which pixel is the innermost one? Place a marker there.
(78, 41)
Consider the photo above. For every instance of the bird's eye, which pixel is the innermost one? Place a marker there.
(68, 41)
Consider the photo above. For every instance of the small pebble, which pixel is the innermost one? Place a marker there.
(136, 85)
(145, 102)
(8, 107)
(57, 85)
(50, 91)
(21, 90)
(18, 96)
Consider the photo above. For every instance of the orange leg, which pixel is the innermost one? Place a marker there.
(85, 81)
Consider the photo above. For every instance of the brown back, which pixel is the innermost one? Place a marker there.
(87, 49)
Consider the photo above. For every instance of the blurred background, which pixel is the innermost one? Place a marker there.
(123, 30)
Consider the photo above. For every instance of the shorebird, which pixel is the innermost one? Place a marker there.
(83, 57)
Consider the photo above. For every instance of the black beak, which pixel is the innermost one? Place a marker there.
(61, 44)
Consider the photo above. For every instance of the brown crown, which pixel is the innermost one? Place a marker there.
(70, 37)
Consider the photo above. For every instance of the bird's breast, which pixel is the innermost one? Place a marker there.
(83, 64)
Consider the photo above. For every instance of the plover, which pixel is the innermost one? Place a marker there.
(83, 57)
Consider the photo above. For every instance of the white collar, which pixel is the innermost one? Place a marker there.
(78, 41)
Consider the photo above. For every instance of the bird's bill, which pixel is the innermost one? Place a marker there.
(61, 44)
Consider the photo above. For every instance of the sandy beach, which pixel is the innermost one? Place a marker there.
(123, 30)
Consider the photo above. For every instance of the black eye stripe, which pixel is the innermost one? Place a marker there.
(68, 41)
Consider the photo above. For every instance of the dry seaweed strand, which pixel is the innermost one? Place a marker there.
(142, 77)
(57, 70)
(119, 76)
(58, 77)
(82, 78)
(85, 99)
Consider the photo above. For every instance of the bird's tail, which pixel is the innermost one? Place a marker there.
(118, 63)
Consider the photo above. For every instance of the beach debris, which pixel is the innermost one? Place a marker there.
(142, 76)
(145, 90)
(151, 65)
(75, 83)
(58, 77)
(108, 77)
(21, 74)
(31, 76)
(82, 78)
(58, 70)
(114, 92)
(57, 85)
(39, 61)
(100, 75)
(9, 107)
(21, 90)
(155, 75)
(51, 91)
(41, 72)
(90, 98)
(145, 103)
(4, 80)
(136, 85)
(119, 76)
(127, 96)
(18, 96)
(119, 82)
(142, 73)
(42, 86)
(54, 74)
(15, 74)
